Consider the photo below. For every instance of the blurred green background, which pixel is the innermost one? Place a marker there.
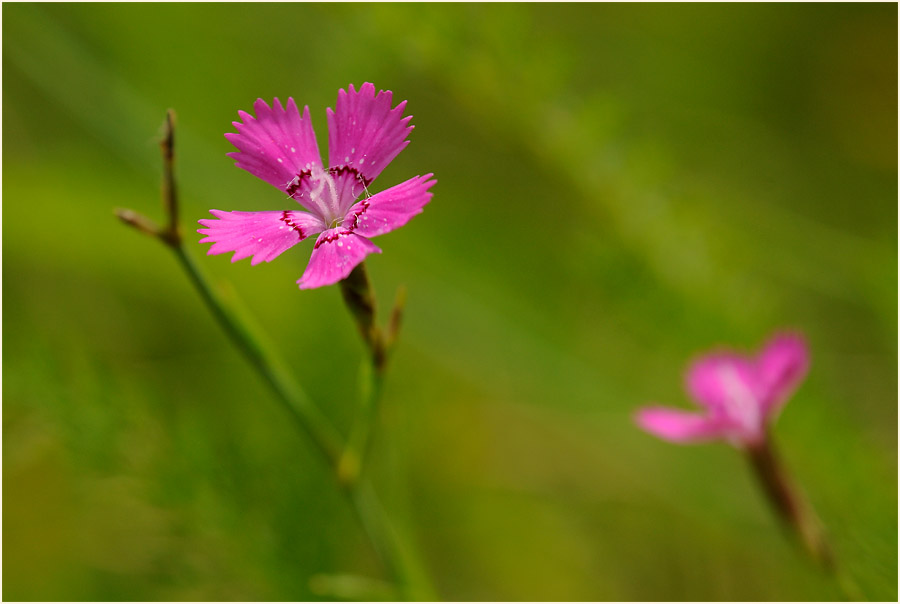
(619, 188)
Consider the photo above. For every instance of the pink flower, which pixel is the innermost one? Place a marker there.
(741, 395)
(279, 146)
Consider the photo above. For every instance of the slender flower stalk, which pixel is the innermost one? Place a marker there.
(248, 340)
(742, 396)
(169, 188)
(279, 146)
(790, 506)
(252, 344)
(359, 298)
(389, 544)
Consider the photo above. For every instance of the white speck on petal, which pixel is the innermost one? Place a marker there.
(347, 159)
(340, 243)
(353, 150)
(362, 161)
(280, 161)
(259, 240)
(293, 150)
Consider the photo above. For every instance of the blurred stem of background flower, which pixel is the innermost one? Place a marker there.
(796, 513)
(788, 503)
(346, 460)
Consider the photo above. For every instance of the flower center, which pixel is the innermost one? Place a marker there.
(739, 401)
(328, 193)
(324, 195)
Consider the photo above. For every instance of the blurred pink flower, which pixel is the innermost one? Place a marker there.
(279, 146)
(741, 395)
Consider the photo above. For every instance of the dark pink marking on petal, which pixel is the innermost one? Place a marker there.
(351, 222)
(262, 235)
(276, 144)
(296, 183)
(336, 253)
(363, 130)
(341, 170)
(390, 209)
(286, 219)
(328, 238)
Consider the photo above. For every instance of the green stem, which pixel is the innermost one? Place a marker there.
(308, 416)
(359, 297)
(402, 559)
(387, 542)
(169, 185)
(389, 546)
(359, 443)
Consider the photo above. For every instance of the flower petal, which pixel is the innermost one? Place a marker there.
(391, 208)
(263, 235)
(680, 426)
(727, 385)
(337, 252)
(782, 364)
(278, 145)
(364, 133)
(716, 379)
